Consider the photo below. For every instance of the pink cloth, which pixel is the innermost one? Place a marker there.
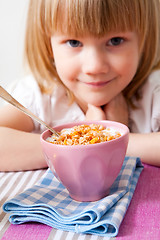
(29, 231)
(142, 220)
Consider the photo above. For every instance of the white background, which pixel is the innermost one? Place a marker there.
(12, 29)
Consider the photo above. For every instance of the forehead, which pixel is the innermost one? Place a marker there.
(91, 17)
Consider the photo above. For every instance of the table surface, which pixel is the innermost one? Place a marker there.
(142, 220)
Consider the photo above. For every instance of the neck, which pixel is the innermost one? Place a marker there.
(82, 105)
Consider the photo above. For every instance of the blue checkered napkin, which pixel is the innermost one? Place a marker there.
(48, 202)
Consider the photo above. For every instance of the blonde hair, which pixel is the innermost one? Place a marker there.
(95, 17)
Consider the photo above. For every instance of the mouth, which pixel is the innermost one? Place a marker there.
(97, 84)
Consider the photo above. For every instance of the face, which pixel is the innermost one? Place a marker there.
(96, 69)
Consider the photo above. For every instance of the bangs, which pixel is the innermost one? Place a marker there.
(93, 17)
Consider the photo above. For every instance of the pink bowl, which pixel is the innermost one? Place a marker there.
(87, 171)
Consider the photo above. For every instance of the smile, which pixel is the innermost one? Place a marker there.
(97, 84)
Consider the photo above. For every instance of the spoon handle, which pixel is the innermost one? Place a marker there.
(7, 97)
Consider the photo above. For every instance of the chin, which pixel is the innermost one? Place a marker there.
(97, 103)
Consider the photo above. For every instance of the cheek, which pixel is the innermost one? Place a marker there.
(60, 61)
(66, 69)
(62, 67)
(128, 65)
(132, 66)
(65, 73)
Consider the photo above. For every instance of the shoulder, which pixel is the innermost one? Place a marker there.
(146, 118)
(155, 75)
(53, 108)
(151, 85)
(153, 80)
(25, 85)
(27, 92)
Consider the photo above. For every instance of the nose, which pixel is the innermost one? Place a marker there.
(95, 62)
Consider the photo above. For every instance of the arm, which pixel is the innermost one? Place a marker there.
(146, 146)
(95, 113)
(115, 110)
(19, 148)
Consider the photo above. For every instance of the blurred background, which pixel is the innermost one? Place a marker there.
(12, 29)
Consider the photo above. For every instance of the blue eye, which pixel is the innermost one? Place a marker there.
(74, 43)
(116, 41)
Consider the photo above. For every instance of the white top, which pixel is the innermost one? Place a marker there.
(55, 109)
(146, 118)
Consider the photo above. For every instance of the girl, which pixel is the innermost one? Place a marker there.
(89, 59)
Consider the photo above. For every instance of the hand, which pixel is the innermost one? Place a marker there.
(95, 113)
(117, 110)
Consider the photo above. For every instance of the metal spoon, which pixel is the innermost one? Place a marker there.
(7, 97)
